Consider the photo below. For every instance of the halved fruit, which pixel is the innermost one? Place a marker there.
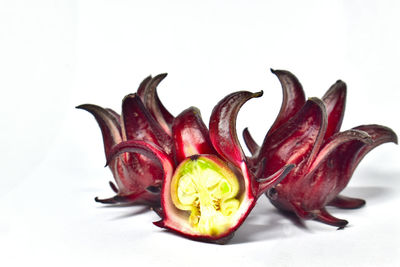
(210, 194)
(207, 189)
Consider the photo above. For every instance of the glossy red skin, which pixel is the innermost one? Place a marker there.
(134, 173)
(335, 103)
(148, 94)
(189, 131)
(220, 143)
(145, 143)
(293, 97)
(325, 158)
(139, 124)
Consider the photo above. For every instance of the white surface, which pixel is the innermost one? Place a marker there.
(58, 54)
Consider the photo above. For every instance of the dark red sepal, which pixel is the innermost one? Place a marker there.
(347, 202)
(293, 98)
(148, 94)
(108, 123)
(191, 135)
(138, 124)
(297, 141)
(250, 142)
(324, 216)
(335, 103)
(223, 126)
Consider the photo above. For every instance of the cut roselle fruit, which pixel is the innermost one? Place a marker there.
(211, 191)
(307, 134)
(143, 118)
(199, 180)
(207, 188)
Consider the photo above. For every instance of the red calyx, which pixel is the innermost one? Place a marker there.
(137, 176)
(306, 133)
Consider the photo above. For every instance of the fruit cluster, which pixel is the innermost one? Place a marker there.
(200, 181)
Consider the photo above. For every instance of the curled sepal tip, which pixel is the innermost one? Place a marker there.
(108, 122)
(324, 216)
(379, 135)
(148, 94)
(297, 141)
(332, 144)
(138, 124)
(293, 97)
(120, 199)
(335, 103)
(223, 126)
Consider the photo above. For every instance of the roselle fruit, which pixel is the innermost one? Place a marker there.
(199, 180)
(143, 117)
(208, 188)
(307, 133)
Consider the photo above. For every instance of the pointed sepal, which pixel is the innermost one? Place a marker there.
(191, 135)
(223, 126)
(297, 141)
(108, 123)
(335, 103)
(250, 142)
(138, 124)
(148, 94)
(293, 98)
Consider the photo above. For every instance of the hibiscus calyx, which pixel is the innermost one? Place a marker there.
(307, 133)
(198, 179)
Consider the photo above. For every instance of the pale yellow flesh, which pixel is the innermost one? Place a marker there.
(208, 191)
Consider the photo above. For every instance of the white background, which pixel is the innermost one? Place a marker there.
(55, 55)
